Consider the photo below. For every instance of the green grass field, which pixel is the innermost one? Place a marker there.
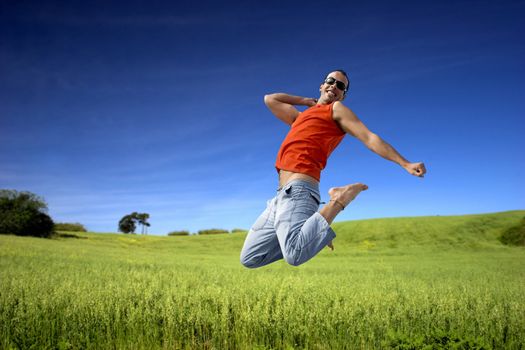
(403, 283)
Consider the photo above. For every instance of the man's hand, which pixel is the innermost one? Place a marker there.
(330, 245)
(310, 102)
(416, 169)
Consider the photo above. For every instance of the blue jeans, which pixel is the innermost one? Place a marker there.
(289, 228)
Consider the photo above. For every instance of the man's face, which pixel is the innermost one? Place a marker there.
(330, 92)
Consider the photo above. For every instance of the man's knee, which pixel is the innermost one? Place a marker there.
(294, 259)
(248, 262)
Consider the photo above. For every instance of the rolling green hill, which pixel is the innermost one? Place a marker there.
(443, 232)
(475, 231)
(482, 229)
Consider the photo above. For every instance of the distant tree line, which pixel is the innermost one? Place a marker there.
(212, 231)
(70, 227)
(179, 233)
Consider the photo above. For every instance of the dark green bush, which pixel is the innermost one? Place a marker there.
(213, 231)
(514, 235)
(70, 227)
(179, 233)
(24, 214)
(238, 230)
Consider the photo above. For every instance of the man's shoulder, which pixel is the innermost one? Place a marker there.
(339, 105)
(339, 110)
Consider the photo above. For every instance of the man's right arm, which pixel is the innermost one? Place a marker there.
(349, 122)
(282, 105)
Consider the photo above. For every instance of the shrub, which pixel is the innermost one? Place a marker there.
(213, 231)
(514, 235)
(24, 214)
(179, 233)
(239, 230)
(70, 227)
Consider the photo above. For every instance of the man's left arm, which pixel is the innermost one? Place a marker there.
(351, 124)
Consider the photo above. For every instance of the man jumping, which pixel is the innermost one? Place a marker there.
(291, 227)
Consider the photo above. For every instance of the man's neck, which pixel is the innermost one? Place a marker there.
(324, 101)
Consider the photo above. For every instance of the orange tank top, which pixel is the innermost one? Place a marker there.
(310, 141)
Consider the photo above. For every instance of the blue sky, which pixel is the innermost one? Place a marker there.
(112, 107)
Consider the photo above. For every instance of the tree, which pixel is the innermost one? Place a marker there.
(24, 214)
(128, 223)
(142, 219)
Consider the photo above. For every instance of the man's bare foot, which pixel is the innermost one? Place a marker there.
(344, 195)
(340, 197)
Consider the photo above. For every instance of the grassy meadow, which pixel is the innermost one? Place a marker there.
(400, 283)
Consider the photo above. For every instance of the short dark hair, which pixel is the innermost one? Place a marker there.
(343, 73)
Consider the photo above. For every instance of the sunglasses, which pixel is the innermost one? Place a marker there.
(339, 84)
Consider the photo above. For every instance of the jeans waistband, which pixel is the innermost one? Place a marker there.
(303, 183)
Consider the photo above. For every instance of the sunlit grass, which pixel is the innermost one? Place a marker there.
(389, 283)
